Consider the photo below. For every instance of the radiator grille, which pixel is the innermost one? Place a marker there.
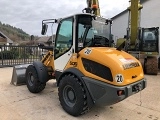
(97, 69)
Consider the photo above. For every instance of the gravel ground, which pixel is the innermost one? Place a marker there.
(17, 103)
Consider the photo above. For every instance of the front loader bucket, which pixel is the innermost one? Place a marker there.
(18, 75)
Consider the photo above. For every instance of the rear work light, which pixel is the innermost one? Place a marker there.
(120, 92)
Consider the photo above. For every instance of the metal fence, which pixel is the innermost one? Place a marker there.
(14, 55)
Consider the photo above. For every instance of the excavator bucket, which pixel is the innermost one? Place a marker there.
(18, 75)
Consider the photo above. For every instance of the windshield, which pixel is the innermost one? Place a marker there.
(149, 35)
(93, 32)
(101, 27)
(149, 40)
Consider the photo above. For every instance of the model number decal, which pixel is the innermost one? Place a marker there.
(119, 78)
(73, 63)
(87, 51)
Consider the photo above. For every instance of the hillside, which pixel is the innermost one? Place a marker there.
(15, 34)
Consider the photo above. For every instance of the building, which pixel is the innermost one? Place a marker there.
(42, 40)
(47, 40)
(150, 17)
(4, 40)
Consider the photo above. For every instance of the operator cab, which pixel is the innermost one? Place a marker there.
(93, 31)
(80, 31)
(77, 32)
(150, 39)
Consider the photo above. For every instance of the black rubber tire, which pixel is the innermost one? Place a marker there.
(159, 63)
(72, 95)
(32, 81)
(151, 66)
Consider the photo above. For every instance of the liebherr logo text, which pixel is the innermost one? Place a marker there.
(131, 65)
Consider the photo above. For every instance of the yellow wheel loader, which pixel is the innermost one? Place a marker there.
(87, 71)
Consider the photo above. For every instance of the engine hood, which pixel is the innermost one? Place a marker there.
(125, 68)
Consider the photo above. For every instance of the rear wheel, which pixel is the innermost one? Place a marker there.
(32, 81)
(151, 66)
(159, 63)
(72, 95)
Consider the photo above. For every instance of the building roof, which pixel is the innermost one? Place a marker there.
(51, 37)
(43, 39)
(123, 12)
(46, 39)
(4, 36)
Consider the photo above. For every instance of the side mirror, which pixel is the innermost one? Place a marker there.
(44, 29)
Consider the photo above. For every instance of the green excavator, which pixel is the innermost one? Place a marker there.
(143, 43)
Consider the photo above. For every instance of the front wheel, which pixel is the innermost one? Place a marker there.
(72, 95)
(32, 80)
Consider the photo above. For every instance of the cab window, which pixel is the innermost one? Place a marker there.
(64, 38)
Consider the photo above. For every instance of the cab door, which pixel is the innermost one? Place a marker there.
(63, 44)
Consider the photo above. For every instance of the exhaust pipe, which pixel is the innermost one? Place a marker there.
(18, 75)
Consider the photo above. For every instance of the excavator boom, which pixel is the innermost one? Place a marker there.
(134, 22)
(93, 6)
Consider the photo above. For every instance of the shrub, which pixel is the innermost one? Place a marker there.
(7, 55)
(14, 53)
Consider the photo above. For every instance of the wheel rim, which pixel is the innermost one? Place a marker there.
(30, 79)
(69, 96)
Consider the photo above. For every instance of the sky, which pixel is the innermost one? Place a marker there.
(28, 14)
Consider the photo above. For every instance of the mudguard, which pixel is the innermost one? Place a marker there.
(74, 71)
(41, 71)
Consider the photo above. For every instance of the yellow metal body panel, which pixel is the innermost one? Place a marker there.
(111, 58)
(73, 62)
(120, 41)
(48, 59)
